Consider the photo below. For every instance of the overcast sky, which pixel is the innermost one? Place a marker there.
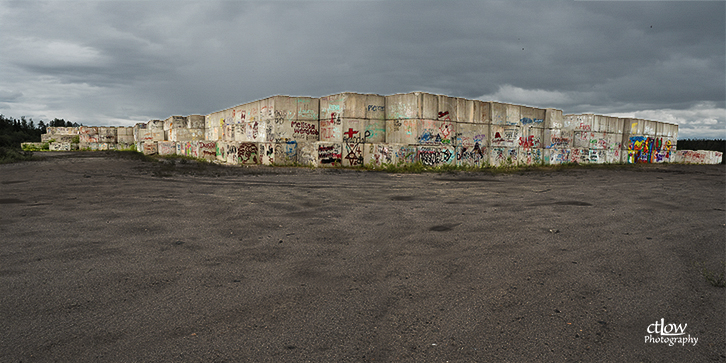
(123, 62)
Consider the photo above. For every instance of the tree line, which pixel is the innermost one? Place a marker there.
(13, 131)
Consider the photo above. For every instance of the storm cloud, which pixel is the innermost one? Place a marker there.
(122, 62)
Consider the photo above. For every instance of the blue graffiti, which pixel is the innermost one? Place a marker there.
(528, 121)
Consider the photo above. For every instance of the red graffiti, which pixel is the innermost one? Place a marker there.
(350, 133)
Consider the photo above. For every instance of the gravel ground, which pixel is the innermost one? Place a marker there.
(111, 259)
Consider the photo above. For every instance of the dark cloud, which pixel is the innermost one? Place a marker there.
(107, 61)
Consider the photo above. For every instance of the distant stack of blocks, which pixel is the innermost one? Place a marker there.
(350, 129)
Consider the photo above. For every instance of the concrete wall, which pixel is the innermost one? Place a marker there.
(352, 129)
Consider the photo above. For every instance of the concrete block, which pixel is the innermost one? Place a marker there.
(580, 122)
(147, 147)
(579, 155)
(415, 105)
(596, 156)
(553, 119)
(188, 148)
(352, 152)
(248, 153)
(447, 109)
(175, 122)
(222, 150)
(352, 105)
(308, 109)
(88, 134)
(359, 130)
(614, 142)
(498, 113)
(504, 136)
(469, 111)
(378, 155)
(155, 125)
(405, 154)
(267, 153)
(532, 117)
(556, 156)
(514, 115)
(186, 134)
(107, 134)
(195, 121)
(301, 131)
(60, 146)
(613, 156)
(401, 131)
(476, 155)
(531, 138)
(503, 156)
(437, 155)
(101, 146)
(660, 129)
(649, 128)
(558, 139)
(591, 140)
(329, 154)
(253, 131)
(529, 156)
(206, 150)
(285, 153)
(472, 134)
(58, 138)
(166, 147)
(436, 132)
(635, 126)
(307, 153)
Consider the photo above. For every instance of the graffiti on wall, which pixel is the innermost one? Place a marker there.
(329, 154)
(435, 156)
(644, 149)
(247, 153)
(471, 155)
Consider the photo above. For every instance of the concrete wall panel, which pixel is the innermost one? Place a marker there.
(329, 154)
(556, 156)
(504, 136)
(476, 156)
(401, 131)
(529, 156)
(553, 119)
(436, 132)
(557, 139)
(248, 153)
(503, 156)
(498, 113)
(286, 153)
(436, 155)
(532, 117)
(266, 153)
(472, 134)
(352, 153)
(166, 148)
(531, 138)
(307, 153)
(378, 154)
(149, 147)
(403, 106)
(207, 150)
(514, 114)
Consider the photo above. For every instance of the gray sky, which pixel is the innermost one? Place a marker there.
(122, 62)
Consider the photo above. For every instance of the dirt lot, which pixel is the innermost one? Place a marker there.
(109, 259)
